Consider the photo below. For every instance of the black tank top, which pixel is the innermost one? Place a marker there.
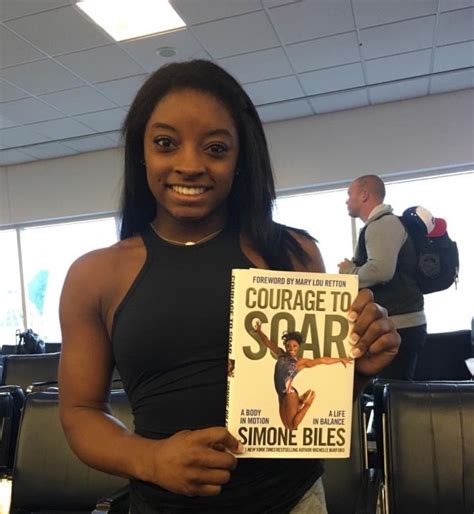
(170, 343)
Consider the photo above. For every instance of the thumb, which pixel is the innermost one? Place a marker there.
(228, 442)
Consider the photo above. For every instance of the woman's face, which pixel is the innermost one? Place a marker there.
(292, 347)
(191, 148)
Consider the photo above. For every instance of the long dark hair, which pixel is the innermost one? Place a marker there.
(253, 192)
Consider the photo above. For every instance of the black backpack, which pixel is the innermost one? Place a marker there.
(438, 257)
(29, 342)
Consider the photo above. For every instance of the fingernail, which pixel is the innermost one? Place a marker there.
(355, 352)
(240, 448)
(353, 338)
(352, 316)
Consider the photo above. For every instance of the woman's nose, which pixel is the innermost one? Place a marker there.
(190, 161)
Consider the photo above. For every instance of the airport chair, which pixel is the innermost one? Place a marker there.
(428, 447)
(350, 487)
(23, 370)
(46, 475)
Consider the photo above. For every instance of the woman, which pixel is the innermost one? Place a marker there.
(197, 202)
(292, 406)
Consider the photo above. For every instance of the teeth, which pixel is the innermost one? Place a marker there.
(191, 191)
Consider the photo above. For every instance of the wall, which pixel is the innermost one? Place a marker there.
(431, 132)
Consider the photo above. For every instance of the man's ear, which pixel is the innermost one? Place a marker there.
(364, 194)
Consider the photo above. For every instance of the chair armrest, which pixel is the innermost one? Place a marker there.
(117, 502)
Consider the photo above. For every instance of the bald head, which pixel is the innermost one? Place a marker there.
(365, 193)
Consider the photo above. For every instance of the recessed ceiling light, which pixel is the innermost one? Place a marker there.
(166, 51)
(127, 19)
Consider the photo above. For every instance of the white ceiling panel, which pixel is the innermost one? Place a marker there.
(28, 110)
(50, 150)
(379, 12)
(399, 90)
(193, 12)
(13, 156)
(277, 3)
(309, 19)
(237, 35)
(398, 67)
(339, 101)
(285, 110)
(103, 121)
(451, 57)
(59, 31)
(122, 91)
(61, 129)
(101, 64)
(89, 143)
(145, 50)
(332, 79)
(452, 81)
(14, 50)
(20, 136)
(276, 90)
(262, 65)
(115, 137)
(78, 101)
(449, 5)
(456, 26)
(395, 38)
(10, 9)
(40, 77)
(5, 122)
(9, 92)
(325, 52)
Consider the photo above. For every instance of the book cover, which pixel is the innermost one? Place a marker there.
(290, 375)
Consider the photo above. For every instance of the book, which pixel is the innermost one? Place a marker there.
(290, 374)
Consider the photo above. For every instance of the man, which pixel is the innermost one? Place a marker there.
(385, 261)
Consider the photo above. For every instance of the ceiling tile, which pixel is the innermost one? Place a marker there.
(193, 12)
(144, 50)
(276, 3)
(78, 101)
(232, 36)
(16, 51)
(10, 9)
(378, 12)
(49, 150)
(103, 121)
(449, 5)
(8, 157)
(308, 20)
(101, 64)
(5, 122)
(284, 110)
(398, 67)
(274, 90)
(122, 91)
(9, 92)
(452, 81)
(395, 38)
(90, 143)
(28, 110)
(116, 137)
(339, 101)
(451, 57)
(262, 65)
(399, 90)
(326, 52)
(61, 129)
(332, 79)
(60, 31)
(20, 136)
(456, 26)
(40, 77)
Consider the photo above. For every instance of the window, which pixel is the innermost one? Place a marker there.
(47, 251)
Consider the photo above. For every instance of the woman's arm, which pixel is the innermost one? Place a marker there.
(189, 463)
(264, 339)
(310, 363)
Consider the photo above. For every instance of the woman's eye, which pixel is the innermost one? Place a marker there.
(217, 148)
(163, 142)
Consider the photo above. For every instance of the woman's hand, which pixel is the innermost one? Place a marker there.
(194, 463)
(374, 338)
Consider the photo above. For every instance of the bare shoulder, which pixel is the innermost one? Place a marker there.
(315, 260)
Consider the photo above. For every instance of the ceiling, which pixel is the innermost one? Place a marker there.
(65, 85)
